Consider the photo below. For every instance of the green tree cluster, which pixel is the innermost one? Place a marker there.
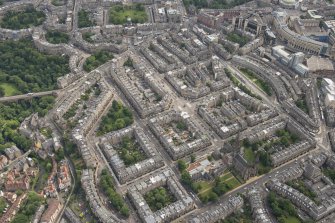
(281, 208)
(2, 91)
(329, 173)
(299, 185)
(129, 63)
(130, 151)
(22, 19)
(119, 14)
(259, 82)
(158, 198)
(107, 186)
(3, 205)
(88, 37)
(238, 84)
(287, 138)
(84, 19)
(28, 208)
(241, 40)
(56, 37)
(241, 216)
(97, 60)
(118, 117)
(181, 126)
(301, 103)
(22, 65)
(182, 165)
(58, 2)
(12, 114)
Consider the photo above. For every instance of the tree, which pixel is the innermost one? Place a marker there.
(124, 211)
(192, 158)
(213, 196)
(20, 218)
(48, 167)
(2, 91)
(181, 165)
(186, 178)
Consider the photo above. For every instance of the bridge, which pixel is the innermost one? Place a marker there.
(28, 96)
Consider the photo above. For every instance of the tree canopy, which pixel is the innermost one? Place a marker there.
(84, 19)
(97, 60)
(106, 184)
(12, 114)
(57, 37)
(158, 198)
(22, 19)
(118, 117)
(22, 65)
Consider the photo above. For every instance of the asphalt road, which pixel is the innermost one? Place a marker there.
(27, 96)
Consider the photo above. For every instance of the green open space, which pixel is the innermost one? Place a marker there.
(58, 2)
(88, 37)
(243, 215)
(118, 117)
(212, 190)
(238, 84)
(56, 37)
(302, 104)
(28, 207)
(130, 151)
(241, 40)
(282, 209)
(159, 198)
(329, 172)
(299, 185)
(261, 151)
(3, 205)
(80, 206)
(249, 155)
(84, 19)
(12, 114)
(47, 132)
(215, 4)
(259, 82)
(44, 167)
(7, 89)
(22, 19)
(28, 69)
(97, 59)
(107, 186)
(119, 14)
(291, 219)
(71, 112)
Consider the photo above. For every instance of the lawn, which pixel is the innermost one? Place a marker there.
(119, 15)
(9, 89)
(292, 219)
(249, 155)
(241, 40)
(226, 176)
(233, 182)
(3, 205)
(260, 83)
(208, 187)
